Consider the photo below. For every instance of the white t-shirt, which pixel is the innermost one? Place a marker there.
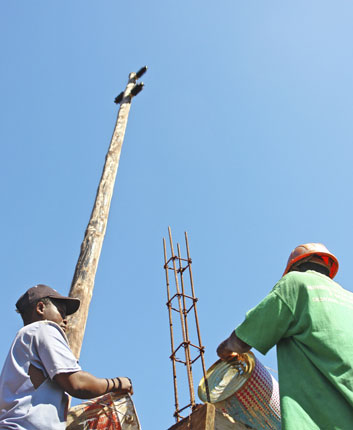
(22, 407)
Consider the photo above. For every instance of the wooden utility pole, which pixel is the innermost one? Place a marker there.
(85, 272)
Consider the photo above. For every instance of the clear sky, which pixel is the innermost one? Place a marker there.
(242, 137)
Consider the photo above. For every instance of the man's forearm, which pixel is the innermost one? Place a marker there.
(231, 346)
(84, 385)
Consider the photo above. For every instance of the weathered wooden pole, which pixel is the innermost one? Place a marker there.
(86, 267)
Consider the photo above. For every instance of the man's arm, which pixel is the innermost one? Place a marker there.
(231, 347)
(83, 385)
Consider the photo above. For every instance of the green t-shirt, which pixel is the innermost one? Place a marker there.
(310, 319)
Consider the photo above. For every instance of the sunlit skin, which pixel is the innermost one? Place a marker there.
(54, 311)
(231, 347)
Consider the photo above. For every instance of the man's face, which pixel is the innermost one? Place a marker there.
(55, 311)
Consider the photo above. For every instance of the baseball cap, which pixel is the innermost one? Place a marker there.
(39, 292)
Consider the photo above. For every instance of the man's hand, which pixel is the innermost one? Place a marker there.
(224, 352)
(231, 347)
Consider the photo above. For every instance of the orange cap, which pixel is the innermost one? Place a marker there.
(304, 251)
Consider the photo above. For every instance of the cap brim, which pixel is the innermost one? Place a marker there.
(71, 304)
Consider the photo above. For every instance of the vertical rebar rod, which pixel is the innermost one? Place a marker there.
(187, 345)
(171, 327)
(197, 319)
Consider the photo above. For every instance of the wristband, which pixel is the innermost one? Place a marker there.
(120, 383)
(107, 390)
(113, 389)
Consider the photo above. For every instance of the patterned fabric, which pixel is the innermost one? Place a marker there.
(108, 412)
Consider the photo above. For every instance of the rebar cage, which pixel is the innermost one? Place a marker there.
(182, 300)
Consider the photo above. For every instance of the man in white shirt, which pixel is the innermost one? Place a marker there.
(41, 369)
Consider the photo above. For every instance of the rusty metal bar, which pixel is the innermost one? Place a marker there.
(197, 319)
(188, 297)
(187, 345)
(171, 327)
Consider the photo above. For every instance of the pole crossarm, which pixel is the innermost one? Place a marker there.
(86, 267)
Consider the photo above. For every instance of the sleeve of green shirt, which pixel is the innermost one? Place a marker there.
(265, 324)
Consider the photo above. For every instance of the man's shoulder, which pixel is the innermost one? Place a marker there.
(297, 283)
(294, 281)
(303, 278)
(46, 328)
(291, 280)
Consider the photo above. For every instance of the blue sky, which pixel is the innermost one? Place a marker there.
(242, 137)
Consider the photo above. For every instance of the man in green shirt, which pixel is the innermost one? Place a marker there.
(310, 319)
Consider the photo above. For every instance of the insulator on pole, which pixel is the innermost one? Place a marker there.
(137, 89)
(118, 99)
(141, 72)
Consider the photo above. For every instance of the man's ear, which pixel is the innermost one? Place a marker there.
(40, 306)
